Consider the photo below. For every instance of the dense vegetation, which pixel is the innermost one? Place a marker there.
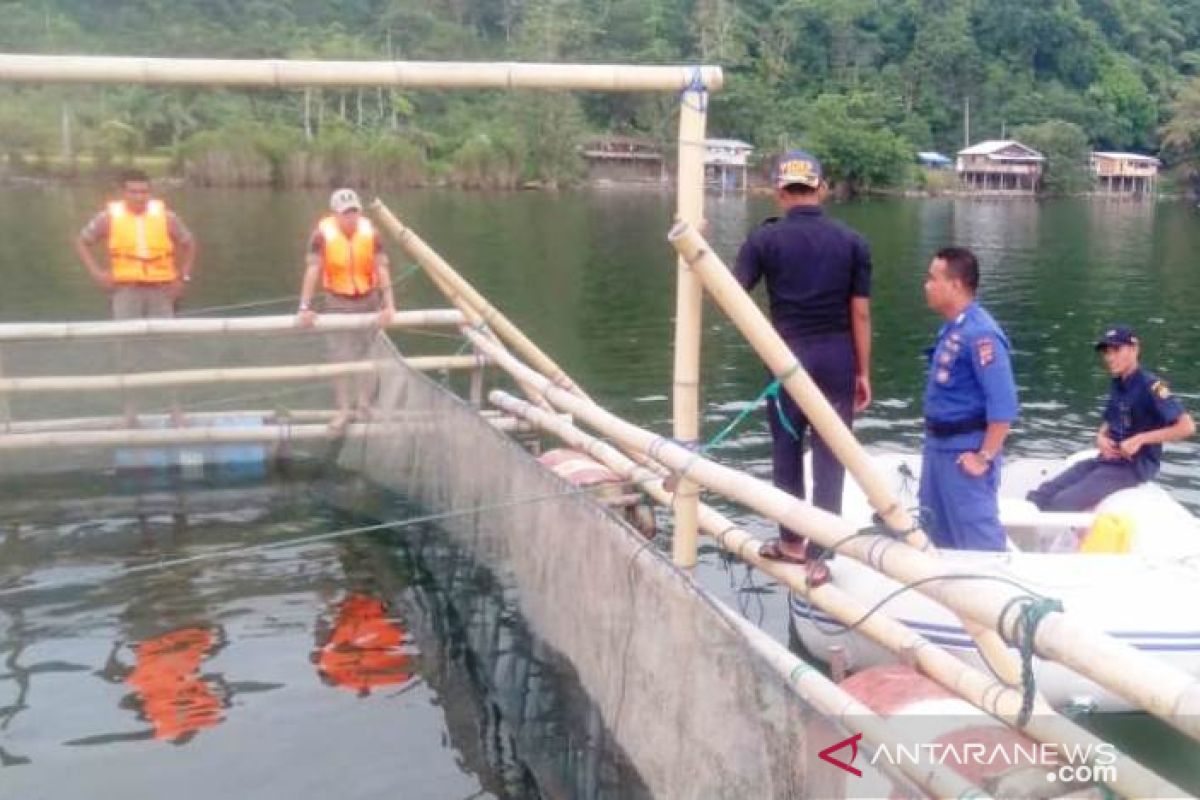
(862, 82)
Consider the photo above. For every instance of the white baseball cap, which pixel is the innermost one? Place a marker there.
(344, 200)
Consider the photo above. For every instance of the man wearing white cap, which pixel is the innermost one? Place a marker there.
(344, 252)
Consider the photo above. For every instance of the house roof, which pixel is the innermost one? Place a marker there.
(732, 144)
(1009, 149)
(1127, 156)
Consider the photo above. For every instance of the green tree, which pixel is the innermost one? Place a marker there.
(846, 133)
(1181, 133)
(1065, 146)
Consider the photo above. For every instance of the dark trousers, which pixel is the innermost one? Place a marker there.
(1084, 485)
(829, 361)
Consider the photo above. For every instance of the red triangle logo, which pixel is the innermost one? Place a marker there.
(852, 742)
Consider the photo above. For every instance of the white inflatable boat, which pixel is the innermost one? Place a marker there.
(1131, 568)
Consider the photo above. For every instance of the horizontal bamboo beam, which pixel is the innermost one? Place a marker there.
(188, 377)
(268, 416)
(184, 377)
(1155, 685)
(277, 323)
(983, 691)
(203, 436)
(278, 73)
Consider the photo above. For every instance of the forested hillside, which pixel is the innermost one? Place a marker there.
(863, 82)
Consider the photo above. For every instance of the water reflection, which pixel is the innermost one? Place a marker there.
(395, 652)
(168, 690)
(365, 648)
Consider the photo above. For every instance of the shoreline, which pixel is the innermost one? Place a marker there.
(94, 177)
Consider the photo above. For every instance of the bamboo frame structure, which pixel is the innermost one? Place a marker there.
(785, 366)
(275, 73)
(983, 691)
(1156, 686)
(808, 682)
(191, 377)
(276, 323)
(694, 83)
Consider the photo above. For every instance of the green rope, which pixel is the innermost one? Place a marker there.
(772, 390)
(1033, 611)
(409, 271)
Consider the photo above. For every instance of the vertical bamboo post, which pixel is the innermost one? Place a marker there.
(475, 393)
(5, 410)
(689, 299)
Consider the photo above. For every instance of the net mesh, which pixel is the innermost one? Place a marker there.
(695, 710)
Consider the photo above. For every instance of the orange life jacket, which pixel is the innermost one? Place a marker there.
(348, 263)
(140, 249)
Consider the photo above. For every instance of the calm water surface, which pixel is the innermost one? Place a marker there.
(590, 277)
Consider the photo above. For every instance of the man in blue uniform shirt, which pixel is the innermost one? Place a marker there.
(1140, 416)
(970, 405)
(818, 276)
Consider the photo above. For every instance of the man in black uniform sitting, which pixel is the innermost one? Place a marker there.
(818, 275)
(1140, 415)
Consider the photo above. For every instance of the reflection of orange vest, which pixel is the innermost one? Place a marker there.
(364, 650)
(348, 264)
(140, 249)
(174, 698)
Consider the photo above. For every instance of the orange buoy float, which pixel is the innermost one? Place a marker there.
(605, 485)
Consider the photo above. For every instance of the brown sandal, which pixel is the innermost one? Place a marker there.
(772, 550)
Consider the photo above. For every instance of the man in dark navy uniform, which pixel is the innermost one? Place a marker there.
(1140, 416)
(818, 276)
(970, 405)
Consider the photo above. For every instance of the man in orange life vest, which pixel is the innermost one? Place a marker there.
(150, 251)
(344, 252)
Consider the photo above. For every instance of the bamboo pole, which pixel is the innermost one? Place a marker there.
(186, 377)
(104, 329)
(273, 416)
(189, 377)
(468, 300)
(1156, 686)
(441, 274)
(784, 364)
(278, 73)
(258, 434)
(983, 691)
(689, 305)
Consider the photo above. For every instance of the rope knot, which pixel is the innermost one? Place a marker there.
(1032, 610)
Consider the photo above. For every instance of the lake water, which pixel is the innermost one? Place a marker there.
(590, 277)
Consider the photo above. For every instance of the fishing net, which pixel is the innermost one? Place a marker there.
(695, 710)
